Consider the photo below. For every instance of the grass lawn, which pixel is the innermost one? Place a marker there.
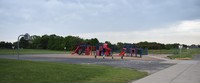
(19, 71)
(186, 53)
(171, 51)
(29, 51)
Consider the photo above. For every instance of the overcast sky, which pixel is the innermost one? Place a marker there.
(164, 21)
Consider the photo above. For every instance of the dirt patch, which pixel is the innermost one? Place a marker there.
(115, 56)
(183, 58)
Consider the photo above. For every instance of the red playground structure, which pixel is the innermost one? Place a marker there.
(100, 50)
(131, 50)
(103, 49)
(84, 48)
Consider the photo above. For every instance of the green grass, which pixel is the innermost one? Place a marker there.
(171, 51)
(186, 53)
(18, 71)
(29, 51)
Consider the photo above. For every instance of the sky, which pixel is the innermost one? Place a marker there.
(131, 21)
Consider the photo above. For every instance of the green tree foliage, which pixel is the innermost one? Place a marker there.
(157, 46)
(71, 42)
(5, 45)
(55, 42)
(119, 46)
(36, 42)
(93, 41)
(24, 43)
(44, 41)
(149, 45)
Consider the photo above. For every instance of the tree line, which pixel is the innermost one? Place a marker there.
(55, 42)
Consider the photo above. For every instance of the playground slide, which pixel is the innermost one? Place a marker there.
(82, 51)
(122, 53)
(76, 51)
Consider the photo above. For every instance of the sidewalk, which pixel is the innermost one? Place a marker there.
(183, 72)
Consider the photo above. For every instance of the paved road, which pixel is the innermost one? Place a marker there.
(197, 57)
(183, 72)
(150, 66)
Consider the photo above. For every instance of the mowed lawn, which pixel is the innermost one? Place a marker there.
(19, 71)
(30, 51)
(175, 53)
(186, 53)
(163, 51)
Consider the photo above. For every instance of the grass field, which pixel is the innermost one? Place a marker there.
(185, 53)
(18, 71)
(171, 51)
(29, 51)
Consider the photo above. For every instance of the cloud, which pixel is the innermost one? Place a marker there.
(186, 32)
(189, 26)
(106, 19)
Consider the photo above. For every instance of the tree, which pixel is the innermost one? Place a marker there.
(6, 45)
(44, 41)
(71, 42)
(93, 41)
(55, 42)
(36, 42)
(23, 43)
(119, 45)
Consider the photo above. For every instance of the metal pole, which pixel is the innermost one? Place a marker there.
(180, 53)
(13, 47)
(18, 46)
(180, 47)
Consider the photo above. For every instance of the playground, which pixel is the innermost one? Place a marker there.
(151, 63)
(103, 49)
(130, 57)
